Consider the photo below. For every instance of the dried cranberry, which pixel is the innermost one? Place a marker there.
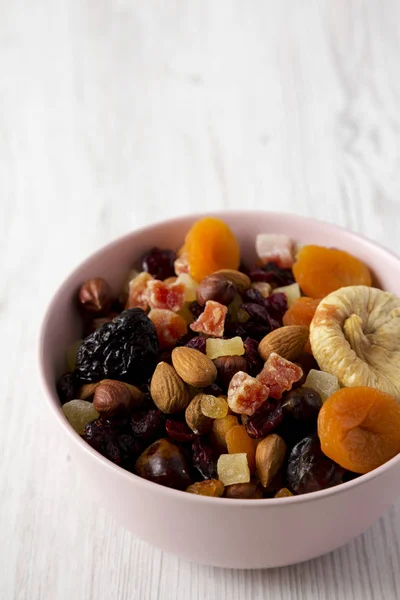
(276, 305)
(159, 263)
(265, 420)
(198, 343)
(66, 388)
(204, 459)
(254, 361)
(147, 425)
(196, 309)
(179, 431)
(309, 470)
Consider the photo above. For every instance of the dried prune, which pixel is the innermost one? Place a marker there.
(159, 263)
(204, 459)
(309, 470)
(265, 420)
(66, 388)
(125, 349)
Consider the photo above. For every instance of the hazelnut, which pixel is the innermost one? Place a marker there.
(113, 397)
(196, 420)
(244, 491)
(95, 296)
(228, 366)
(216, 287)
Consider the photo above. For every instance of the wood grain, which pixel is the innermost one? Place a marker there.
(114, 114)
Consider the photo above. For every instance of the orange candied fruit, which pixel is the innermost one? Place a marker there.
(210, 245)
(359, 428)
(301, 313)
(320, 271)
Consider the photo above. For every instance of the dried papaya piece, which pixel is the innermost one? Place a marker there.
(320, 271)
(359, 428)
(210, 245)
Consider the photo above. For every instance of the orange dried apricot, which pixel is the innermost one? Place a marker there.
(301, 313)
(238, 441)
(210, 245)
(359, 428)
(320, 271)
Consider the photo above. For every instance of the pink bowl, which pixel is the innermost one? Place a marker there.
(244, 534)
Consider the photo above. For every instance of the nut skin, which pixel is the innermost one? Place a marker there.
(228, 366)
(198, 423)
(114, 397)
(164, 463)
(216, 287)
(244, 491)
(95, 297)
(169, 392)
(270, 455)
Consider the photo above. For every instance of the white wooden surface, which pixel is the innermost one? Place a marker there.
(116, 113)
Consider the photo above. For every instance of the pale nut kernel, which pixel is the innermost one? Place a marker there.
(270, 455)
(112, 397)
(169, 392)
(95, 296)
(287, 341)
(246, 394)
(208, 487)
(193, 367)
(195, 419)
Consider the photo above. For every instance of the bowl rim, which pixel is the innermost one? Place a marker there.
(53, 402)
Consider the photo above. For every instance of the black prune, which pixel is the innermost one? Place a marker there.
(125, 349)
(309, 470)
(66, 388)
(159, 263)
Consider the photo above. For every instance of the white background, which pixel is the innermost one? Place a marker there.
(117, 113)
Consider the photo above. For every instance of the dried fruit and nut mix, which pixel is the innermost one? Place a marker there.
(265, 381)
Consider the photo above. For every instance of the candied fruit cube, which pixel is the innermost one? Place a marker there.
(263, 287)
(165, 296)
(216, 347)
(233, 468)
(170, 327)
(79, 413)
(212, 319)
(279, 375)
(190, 286)
(323, 383)
(181, 264)
(213, 407)
(137, 291)
(277, 248)
(246, 394)
(292, 292)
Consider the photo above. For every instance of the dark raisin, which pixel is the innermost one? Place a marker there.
(276, 305)
(159, 263)
(271, 273)
(113, 439)
(214, 390)
(309, 470)
(265, 420)
(196, 309)
(198, 343)
(254, 296)
(302, 404)
(66, 388)
(256, 311)
(254, 361)
(165, 356)
(147, 425)
(125, 349)
(179, 431)
(204, 459)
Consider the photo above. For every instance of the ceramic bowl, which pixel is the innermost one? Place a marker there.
(215, 531)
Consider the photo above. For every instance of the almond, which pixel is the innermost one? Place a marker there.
(286, 341)
(169, 392)
(270, 455)
(239, 279)
(194, 367)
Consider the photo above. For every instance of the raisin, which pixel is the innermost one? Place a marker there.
(66, 388)
(265, 420)
(114, 440)
(204, 459)
(179, 431)
(271, 273)
(196, 309)
(125, 349)
(159, 263)
(254, 361)
(309, 470)
(198, 343)
(147, 425)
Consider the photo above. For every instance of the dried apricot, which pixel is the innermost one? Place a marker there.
(359, 428)
(210, 245)
(320, 271)
(238, 440)
(301, 312)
